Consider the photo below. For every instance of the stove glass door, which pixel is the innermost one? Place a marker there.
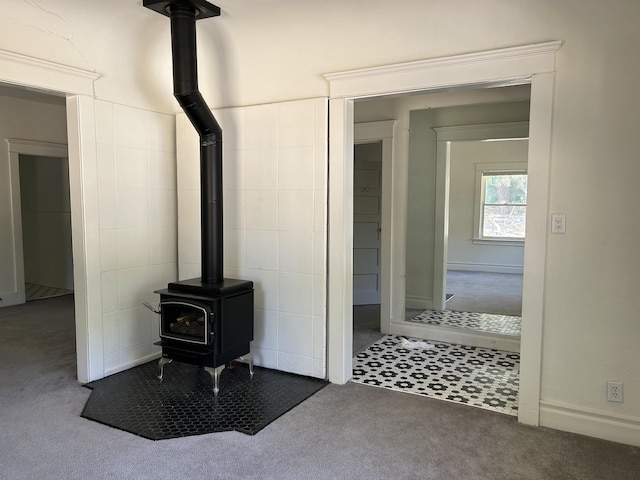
(184, 321)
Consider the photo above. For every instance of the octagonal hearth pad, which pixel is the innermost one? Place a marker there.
(183, 404)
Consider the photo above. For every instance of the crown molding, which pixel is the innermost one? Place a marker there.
(516, 63)
(44, 75)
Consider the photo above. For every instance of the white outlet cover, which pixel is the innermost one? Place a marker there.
(558, 223)
(614, 392)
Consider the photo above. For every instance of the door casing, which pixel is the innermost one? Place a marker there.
(77, 86)
(529, 64)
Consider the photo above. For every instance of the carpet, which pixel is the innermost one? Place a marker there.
(478, 377)
(183, 403)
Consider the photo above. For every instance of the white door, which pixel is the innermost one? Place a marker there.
(367, 190)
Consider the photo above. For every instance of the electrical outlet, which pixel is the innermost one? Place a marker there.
(558, 223)
(614, 392)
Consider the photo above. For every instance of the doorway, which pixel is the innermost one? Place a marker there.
(373, 223)
(532, 64)
(41, 184)
(486, 236)
(505, 104)
(367, 221)
(28, 76)
(479, 260)
(367, 200)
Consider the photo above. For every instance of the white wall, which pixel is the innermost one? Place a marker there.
(463, 253)
(126, 44)
(275, 197)
(21, 119)
(46, 221)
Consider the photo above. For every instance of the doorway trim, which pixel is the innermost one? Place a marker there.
(534, 64)
(77, 86)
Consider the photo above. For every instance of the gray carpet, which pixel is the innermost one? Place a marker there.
(366, 326)
(342, 432)
(482, 292)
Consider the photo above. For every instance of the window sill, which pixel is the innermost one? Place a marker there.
(498, 241)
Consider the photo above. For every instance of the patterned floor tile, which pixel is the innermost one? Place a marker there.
(474, 376)
(38, 292)
(484, 322)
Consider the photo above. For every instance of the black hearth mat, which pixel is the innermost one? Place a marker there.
(183, 403)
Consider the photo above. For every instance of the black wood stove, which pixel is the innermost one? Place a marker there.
(206, 321)
(207, 324)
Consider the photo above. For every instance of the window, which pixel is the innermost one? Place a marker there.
(502, 206)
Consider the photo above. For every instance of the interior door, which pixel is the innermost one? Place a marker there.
(367, 195)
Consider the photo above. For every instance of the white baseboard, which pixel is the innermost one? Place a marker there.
(423, 303)
(485, 267)
(126, 366)
(460, 336)
(12, 298)
(570, 418)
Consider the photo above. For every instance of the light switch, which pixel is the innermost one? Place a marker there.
(558, 223)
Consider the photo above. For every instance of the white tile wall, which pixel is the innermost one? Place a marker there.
(275, 203)
(137, 197)
(261, 169)
(261, 209)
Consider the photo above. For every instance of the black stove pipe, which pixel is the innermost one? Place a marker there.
(185, 89)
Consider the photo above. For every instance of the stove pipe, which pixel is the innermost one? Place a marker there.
(183, 14)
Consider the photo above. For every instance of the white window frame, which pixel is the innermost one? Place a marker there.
(483, 169)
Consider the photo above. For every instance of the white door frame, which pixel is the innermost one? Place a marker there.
(373, 132)
(77, 86)
(17, 148)
(534, 64)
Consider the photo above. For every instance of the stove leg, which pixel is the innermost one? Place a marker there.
(161, 363)
(248, 359)
(215, 377)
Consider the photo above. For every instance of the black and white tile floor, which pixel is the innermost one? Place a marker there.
(484, 322)
(473, 376)
(37, 292)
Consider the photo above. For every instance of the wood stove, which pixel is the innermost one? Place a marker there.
(206, 321)
(207, 324)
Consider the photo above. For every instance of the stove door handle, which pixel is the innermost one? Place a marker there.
(150, 307)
